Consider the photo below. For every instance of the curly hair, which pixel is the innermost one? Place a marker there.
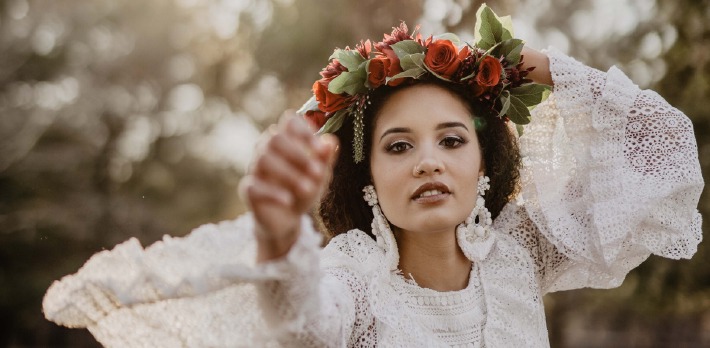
(342, 207)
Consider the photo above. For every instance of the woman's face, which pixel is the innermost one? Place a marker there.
(425, 159)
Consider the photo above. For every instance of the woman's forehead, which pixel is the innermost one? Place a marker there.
(421, 105)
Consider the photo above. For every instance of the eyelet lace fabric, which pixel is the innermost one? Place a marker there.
(610, 176)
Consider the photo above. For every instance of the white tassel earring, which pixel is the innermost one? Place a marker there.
(381, 228)
(474, 235)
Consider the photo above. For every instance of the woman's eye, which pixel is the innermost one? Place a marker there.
(452, 141)
(398, 147)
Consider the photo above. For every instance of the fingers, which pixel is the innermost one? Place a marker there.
(329, 148)
(254, 191)
(278, 170)
(295, 161)
(296, 152)
(296, 126)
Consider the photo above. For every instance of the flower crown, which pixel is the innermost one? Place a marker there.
(491, 69)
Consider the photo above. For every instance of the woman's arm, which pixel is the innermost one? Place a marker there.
(541, 73)
(611, 175)
(292, 167)
(206, 290)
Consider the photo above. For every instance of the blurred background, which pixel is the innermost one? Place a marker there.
(137, 118)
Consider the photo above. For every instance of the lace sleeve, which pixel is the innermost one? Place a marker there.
(610, 175)
(206, 290)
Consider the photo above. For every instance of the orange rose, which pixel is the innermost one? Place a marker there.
(489, 72)
(316, 119)
(441, 57)
(328, 101)
(378, 69)
(394, 68)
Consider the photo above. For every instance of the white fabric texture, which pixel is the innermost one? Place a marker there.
(610, 176)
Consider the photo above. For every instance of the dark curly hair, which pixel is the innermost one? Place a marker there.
(342, 207)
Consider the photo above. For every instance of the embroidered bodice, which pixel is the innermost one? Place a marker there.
(610, 176)
(455, 317)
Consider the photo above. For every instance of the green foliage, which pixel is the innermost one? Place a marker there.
(350, 82)
(412, 61)
(334, 122)
(406, 47)
(491, 29)
(352, 60)
(510, 49)
(310, 105)
(518, 102)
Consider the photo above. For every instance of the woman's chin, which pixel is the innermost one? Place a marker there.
(430, 223)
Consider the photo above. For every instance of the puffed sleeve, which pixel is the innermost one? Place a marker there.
(610, 175)
(205, 290)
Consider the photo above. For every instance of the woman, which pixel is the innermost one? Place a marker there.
(440, 252)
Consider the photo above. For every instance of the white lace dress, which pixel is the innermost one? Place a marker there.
(611, 175)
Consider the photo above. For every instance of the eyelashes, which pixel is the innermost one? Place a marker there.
(453, 141)
(449, 142)
(398, 146)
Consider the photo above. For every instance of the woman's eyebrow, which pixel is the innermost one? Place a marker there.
(438, 127)
(396, 130)
(451, 125)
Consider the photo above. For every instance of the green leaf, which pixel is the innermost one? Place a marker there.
(349, 59)
(507, 23)
(505, 103)
(407, 47)
(469, 76)
(518, 111)
(348, 82)
(490, 29)
(412, 61)
(544, 97)
(519, 128)
(435, 74)
(448, 36)
(310, 105)
(414, 72)
(334, 122)
(531, 94)
(510, 49)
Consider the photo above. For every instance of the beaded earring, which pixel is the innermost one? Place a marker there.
(381, 228)
(475, 231)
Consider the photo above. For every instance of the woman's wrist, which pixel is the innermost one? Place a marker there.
(539, 60)
(270, 247)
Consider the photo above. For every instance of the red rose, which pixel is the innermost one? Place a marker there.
(316, 119)
(394, 68)
(378, 69)
(399, 33)
(441, 57)
(489, 72)
(328, 101)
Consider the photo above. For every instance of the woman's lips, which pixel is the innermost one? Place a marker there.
(431, 192)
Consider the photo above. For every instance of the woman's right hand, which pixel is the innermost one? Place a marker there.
(291, 168)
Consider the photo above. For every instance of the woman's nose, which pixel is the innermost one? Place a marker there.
(429, 163)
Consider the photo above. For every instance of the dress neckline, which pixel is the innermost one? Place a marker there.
(474, 283)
